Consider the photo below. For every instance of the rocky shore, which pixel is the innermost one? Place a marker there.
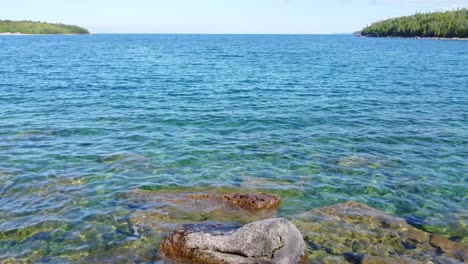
(197, 226)
(200, 227)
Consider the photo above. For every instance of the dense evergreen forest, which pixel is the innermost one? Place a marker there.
(450, 24)
(30, 27)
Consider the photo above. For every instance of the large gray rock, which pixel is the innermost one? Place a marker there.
(267, 241)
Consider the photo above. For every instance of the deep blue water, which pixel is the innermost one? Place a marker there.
(317, 119)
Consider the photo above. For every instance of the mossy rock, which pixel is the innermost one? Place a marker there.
(354, 229)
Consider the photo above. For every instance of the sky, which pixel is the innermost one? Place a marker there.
(219, 16)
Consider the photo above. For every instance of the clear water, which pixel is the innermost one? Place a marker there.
(317, 119)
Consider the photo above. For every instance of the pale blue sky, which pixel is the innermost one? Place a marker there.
(219, 16)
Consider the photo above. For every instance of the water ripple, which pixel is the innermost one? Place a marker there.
(318, 120)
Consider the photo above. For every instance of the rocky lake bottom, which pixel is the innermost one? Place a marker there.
(111, 143)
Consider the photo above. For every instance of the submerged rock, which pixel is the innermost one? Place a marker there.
(132, 250)
(258, 201)
(344, 233)
(248, 201)
(453, 224)
(361, 234)
(366, 161)
(266, 241)
(161, 212)
(122, 156)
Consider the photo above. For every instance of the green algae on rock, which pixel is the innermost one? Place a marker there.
(132, 250)
(453, 224)
(356, 233)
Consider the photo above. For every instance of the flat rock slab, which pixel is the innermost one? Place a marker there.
(247, 201)
(266, 241)
(160, 212)
(356, 233)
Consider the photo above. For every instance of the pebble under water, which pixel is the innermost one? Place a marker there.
(319, 120)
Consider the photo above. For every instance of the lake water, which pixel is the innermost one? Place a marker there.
(317, 119)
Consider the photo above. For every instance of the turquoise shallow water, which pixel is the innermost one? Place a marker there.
(317, 119)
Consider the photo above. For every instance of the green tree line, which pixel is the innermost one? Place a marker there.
(449, 24)
(30, 27)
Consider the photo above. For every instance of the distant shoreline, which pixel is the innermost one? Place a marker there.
(22, 34)
(449, 25)
(28, 27)
(430, 38)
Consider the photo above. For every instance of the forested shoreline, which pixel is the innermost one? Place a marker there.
(31, 27)
(449, 24)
